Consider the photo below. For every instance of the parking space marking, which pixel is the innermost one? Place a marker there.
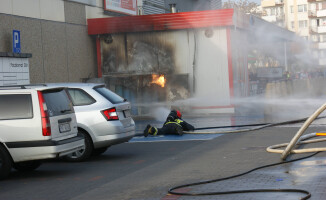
(166, 138)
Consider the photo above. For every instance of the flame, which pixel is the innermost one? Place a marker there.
(158, 79)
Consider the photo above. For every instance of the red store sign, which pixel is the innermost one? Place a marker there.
(128, 7)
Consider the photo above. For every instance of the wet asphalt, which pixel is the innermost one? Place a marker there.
(146, 170)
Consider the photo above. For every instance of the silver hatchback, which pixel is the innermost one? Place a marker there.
(103, 118)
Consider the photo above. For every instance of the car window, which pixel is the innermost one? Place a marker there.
(109, 95)
(79, 97)
(57, 102)
(16, 106)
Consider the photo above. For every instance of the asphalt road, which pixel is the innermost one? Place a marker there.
(147, 170)
(63, 180)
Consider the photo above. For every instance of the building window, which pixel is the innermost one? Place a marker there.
(303, 23)
(291, 8)
(314, 38)
(292, 24)
(323, 38)
(273, 11)
(302, 8)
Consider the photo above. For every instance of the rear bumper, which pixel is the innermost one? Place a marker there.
(108, 140)
(38, 150)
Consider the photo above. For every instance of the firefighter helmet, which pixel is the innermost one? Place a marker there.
(179, 114)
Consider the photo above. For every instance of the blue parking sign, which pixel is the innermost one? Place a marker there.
(16, 41)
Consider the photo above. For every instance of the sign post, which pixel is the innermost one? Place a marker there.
(16, 41)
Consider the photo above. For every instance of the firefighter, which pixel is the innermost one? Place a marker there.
(173, 125)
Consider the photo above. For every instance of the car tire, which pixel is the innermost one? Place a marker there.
(83, 154)
(27, 166)
(5, 163)
(99, 151)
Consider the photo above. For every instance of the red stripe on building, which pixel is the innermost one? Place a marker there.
(229, 52)
(160, 22)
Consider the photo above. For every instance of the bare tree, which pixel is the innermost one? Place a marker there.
(243, 5)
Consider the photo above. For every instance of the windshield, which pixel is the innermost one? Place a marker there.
(57, 102)
(109, 95)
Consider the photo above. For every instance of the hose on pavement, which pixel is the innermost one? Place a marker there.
(307, 193)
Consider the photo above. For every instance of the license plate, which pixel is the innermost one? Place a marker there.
(64, 127)
(126, 113)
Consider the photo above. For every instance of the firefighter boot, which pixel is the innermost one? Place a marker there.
(179, 130)
(150, 130)
(147, 130)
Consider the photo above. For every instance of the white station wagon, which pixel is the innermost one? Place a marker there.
(36, 122)
(103, 118)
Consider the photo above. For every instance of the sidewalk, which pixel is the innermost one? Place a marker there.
(238, 153)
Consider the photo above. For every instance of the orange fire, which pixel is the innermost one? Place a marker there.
(158, 79)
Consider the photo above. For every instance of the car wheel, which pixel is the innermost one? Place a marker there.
(5, 163)
(99, 151)
(27, 166)
(83, 153)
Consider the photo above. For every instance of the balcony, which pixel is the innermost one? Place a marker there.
(279, 2)
(322, 61)
(271, 3)
(271, 18)
(320, 45)
(280, 17)
(317, 13)
(318, 29)
(310, 1)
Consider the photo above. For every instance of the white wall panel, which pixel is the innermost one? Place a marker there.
(184, 51)
(1, 71)
(52, 10)
(6, 6)
(87, 2)
(300, 2)
(99, 3)
(94, 12)
(212, 75)
(27, 8)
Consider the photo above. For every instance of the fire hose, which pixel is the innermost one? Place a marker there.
(296, 140)
(307, 193)
(260, 126)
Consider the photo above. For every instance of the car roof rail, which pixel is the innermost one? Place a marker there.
(20, 86)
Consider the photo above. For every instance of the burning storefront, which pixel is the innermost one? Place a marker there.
(196, 61)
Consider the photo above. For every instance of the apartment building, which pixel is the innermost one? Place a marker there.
(290, 14)
(317, 19)
(273, 11)
(307, 18)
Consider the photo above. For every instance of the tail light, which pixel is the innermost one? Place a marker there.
(110, 114)
(46, 127)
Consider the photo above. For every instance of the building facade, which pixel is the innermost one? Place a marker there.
(273, 11)
(54, 33)
(203, 56)
(307, 19)
(290, 14)
(147, 7)
(317, 18)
